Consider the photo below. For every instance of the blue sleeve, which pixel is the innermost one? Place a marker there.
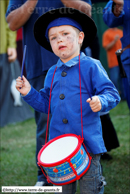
(109, 18)
(104, 88)
(39, 101)
(13, 4)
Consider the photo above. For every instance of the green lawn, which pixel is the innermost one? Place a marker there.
(117, 171)
(18, 154)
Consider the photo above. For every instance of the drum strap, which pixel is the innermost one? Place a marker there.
(81, 95)
(49, 106)
(82, 139)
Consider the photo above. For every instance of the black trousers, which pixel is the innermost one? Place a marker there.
(109, 133)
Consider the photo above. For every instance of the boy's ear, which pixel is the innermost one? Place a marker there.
(81, 37)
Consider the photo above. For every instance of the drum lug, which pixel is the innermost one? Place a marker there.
(81, 139)
(48, 179)
(38, 163)
(74, 171)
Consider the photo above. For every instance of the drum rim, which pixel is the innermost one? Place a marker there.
(63, 160)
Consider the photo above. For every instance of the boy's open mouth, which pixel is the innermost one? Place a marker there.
(61, 47)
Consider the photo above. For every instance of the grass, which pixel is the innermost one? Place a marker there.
(117, 171)
(18, 154)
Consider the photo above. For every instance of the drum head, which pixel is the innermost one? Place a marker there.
(59, 149)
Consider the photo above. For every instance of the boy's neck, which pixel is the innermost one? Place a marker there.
(68, 59)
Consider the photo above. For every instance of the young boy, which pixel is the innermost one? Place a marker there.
(66, 31)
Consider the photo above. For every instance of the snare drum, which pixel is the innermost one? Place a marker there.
(64, 159)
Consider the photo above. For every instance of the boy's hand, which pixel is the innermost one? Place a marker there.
(95, 103)
(22, 85)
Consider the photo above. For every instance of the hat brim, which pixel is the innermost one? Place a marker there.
(87, 24)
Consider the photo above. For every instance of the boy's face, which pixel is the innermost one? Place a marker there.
(65, 41)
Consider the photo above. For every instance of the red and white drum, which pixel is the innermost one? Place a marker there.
(64, 159)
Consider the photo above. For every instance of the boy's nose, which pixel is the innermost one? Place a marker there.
(59, 39)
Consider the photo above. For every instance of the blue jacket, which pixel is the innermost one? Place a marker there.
(38, 59)
(123, 20)
(65, 100)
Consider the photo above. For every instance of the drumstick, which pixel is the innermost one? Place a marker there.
(24, 54)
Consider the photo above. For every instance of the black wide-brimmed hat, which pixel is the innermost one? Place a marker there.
(88, 26)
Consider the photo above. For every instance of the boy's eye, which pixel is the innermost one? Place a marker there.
(53, 38)
(65, 33)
